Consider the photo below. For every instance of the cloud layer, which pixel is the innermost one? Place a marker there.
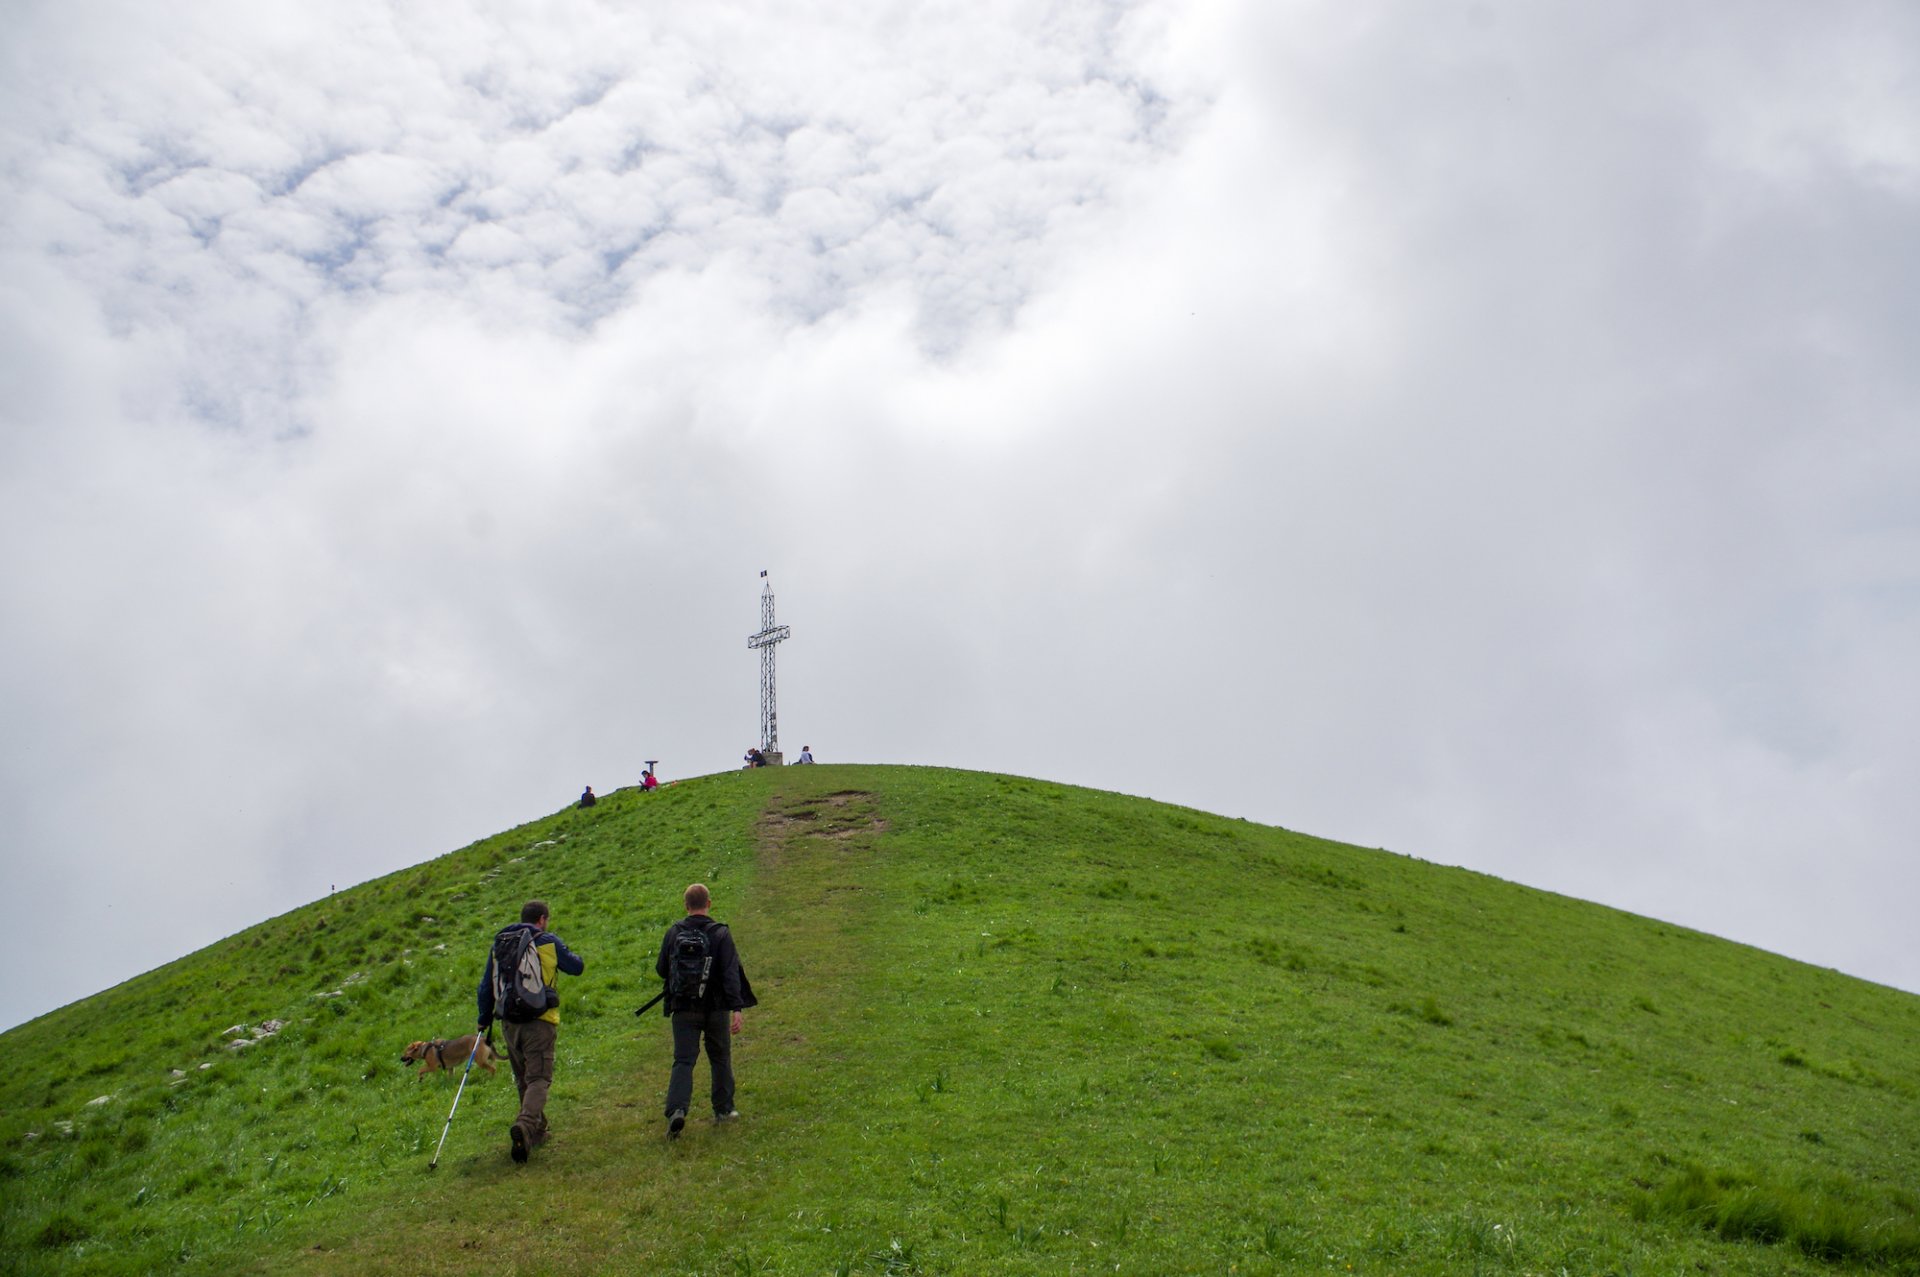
(1484, 431)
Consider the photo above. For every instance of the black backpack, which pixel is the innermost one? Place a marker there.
(520, 990)
(690, 964)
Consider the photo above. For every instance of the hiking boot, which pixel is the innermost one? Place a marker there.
(676, 1120)
(732, 1115)
(518, 1134)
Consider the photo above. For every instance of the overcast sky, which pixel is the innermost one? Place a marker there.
(1489, 431)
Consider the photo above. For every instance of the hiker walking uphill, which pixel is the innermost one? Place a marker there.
(706, 990)
(517, 989)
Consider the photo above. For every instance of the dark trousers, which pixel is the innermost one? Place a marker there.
(689, 1028)
(530, 1051)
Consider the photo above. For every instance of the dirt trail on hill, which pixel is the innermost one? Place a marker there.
(805, 907)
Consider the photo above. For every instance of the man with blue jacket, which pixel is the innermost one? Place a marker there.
(530, 1043)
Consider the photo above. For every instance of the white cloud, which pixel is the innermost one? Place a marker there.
(1480, 431)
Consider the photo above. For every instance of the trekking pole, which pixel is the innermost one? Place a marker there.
(650, 1002)
(456, 1098)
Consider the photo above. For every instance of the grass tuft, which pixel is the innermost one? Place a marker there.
(1830, 1218)
(61, 1231)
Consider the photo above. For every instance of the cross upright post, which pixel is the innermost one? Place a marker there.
(769, 635)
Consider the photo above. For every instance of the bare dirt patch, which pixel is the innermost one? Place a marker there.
(873, 826)
(850, 814)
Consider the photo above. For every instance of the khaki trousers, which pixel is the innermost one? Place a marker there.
(530, 1049)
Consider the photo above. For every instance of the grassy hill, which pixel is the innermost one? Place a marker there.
(1006, 1027)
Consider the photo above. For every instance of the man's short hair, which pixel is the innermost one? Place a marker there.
(533, 911)
(698, 897)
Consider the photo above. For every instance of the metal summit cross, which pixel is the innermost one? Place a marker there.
(769, 635)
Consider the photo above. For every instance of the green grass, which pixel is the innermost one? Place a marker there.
(1007, 1027)
(1831, 1217)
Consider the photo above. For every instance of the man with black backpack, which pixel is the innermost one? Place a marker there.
(706, 991)
(517, 989)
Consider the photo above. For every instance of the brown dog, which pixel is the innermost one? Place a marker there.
(448, 1054)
